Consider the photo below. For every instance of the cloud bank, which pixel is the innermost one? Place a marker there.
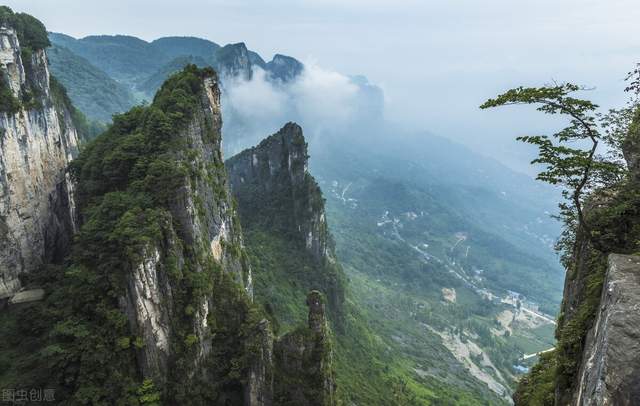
(322, 101)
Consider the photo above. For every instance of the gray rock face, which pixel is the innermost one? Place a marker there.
(149, 307)
(36, 144)
(610, 371)
(275, 174)
(234, 61)
(284, 67)
(202, 216)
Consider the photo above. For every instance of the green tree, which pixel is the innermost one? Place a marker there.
(568, 157)
(148, 395)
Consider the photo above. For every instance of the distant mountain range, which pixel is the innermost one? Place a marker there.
(119, 71)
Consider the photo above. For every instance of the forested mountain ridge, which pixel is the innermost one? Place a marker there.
(93, 91)
(282, 212)
(139, 67)
(277, 196)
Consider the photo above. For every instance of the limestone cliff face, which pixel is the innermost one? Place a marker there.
(276, 194)
(275, 174)
(37, 141)
(202, 218)
(234, 61)
(610, 367)
(596, 361)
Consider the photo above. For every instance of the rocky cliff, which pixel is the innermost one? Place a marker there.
(186, 285)
(234, 61)
(200, 209)
(155, 300)
(595, 361)
(284, 67)
(610, 367)
(275, 192)
(273, 177)
(37, 141)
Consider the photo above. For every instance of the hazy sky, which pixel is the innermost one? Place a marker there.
(436, 60)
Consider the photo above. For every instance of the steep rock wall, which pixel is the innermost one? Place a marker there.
(277, 194)
(203, 217)
(37, 141)
(595, 361)
(275, 173)
(161, 247)
(610, 368)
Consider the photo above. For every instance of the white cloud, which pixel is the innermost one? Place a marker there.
(324, 96)
(320, 100)
(256, 99)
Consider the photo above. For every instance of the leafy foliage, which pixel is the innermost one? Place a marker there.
(32, 37)
(537, 388)
(577, 170)
(32, 34)
(8, 102)
(87, 130)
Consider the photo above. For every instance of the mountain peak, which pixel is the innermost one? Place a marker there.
(233, 60)
(284, 67)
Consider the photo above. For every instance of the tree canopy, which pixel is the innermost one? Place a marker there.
(31, 32)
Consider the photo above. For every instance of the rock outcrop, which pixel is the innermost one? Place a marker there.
(274, 175)
(234, 61)
(275, 192)
(277, 196)
(159, 231)
(304, 359)
(610, 368)
(202, 216)
(284, 68)
(37, 141)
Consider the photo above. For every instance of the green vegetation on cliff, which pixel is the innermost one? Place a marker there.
(81, 341)
(379, 341)
(32, 37)
(32, 34)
